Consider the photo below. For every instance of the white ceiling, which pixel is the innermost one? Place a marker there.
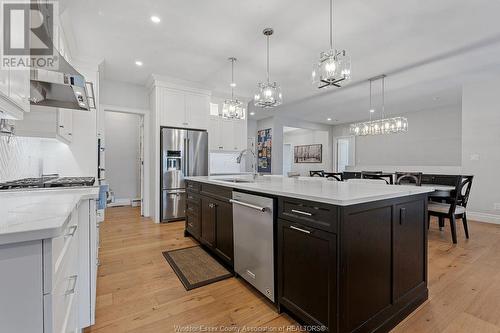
(427, 48)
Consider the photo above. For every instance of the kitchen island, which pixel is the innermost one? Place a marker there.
(347, 257)
(48, 259)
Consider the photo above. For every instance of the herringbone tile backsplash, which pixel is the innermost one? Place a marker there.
(19, 158)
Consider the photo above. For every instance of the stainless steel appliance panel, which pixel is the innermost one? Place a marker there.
(173, 158)
(173, 203)
(253, 229)
(197, 149)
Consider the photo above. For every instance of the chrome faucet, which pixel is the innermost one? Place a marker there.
(254, 164)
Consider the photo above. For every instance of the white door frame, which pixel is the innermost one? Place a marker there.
(145, 177)
(335, 150)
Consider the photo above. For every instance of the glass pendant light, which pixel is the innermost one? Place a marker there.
(383, 125)
(268, 94)
(334, 66)
(233, 108)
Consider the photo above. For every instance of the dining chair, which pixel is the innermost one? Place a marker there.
(387, 177)
(456, 208)
(351, 175)
(403, 178)
(316, 173)
(338, 176)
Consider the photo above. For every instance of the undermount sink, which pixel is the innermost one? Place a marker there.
(237, 180)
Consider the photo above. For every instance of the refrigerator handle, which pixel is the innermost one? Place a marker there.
(185, 159)
(187, 156)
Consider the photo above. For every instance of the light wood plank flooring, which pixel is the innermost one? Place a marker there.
(137, 291)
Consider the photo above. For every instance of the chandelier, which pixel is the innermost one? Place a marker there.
(268, 94)
(233, 108)
(334, 66)
(379, 126)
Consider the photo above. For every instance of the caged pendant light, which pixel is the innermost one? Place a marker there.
(268, 94)
(233, 108)
(334, 66)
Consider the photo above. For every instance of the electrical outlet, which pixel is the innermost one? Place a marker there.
(497, 206)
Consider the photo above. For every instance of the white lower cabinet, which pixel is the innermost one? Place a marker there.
(51, 282)
(227, 134)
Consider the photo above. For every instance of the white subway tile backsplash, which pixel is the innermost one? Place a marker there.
(20, 158)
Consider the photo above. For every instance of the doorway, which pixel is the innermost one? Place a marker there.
(287, 158)
(344, 153)
(124, 158)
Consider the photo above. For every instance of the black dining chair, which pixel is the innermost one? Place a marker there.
(388, 177)
(316, 173)
(403, 178)
(338, 176)
(456, 208)
(351, 175)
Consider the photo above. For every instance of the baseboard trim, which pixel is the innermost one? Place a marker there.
(483, 217)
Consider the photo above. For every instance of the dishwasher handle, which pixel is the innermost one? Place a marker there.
(241, 203)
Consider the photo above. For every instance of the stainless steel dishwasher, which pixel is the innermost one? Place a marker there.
(253, 228)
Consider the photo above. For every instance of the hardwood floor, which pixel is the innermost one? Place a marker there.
(137, 291)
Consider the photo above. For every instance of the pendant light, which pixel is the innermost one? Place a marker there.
(268, 94)
(383, 125)
(334, 66)
(233, 108)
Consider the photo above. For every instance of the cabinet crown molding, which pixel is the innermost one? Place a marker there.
(176, 84)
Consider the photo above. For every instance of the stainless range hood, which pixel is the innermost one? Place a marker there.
(62, 88)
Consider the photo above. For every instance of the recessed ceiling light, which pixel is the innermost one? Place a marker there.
(329, 119)
(155, 19)
(252, 113)
(233, 84)
(138, 63)
(372, 110)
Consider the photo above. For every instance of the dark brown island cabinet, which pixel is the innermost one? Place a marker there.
(357, 268)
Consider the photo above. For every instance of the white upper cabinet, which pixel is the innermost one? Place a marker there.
(215, 134)
(44, 122)
(65, 124)
(179, 106)
(227, 134)
(4, 82)
(14, 92)
(197, 110)
(19, 89)
(172, 108)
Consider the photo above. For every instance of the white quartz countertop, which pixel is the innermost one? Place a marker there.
(38, 214)
(318, 189)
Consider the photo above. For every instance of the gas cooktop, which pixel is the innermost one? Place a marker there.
(45, 182)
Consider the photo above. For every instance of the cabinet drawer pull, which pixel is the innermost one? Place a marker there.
(73, 288)
(300, 229)
(301, 212)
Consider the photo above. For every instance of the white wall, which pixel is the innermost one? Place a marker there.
(124, 94)
(123, 154)
(306, 137)
(481, 146)
(433, 141)
(276, 124)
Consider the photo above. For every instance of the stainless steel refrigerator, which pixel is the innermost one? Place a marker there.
(183, 153)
